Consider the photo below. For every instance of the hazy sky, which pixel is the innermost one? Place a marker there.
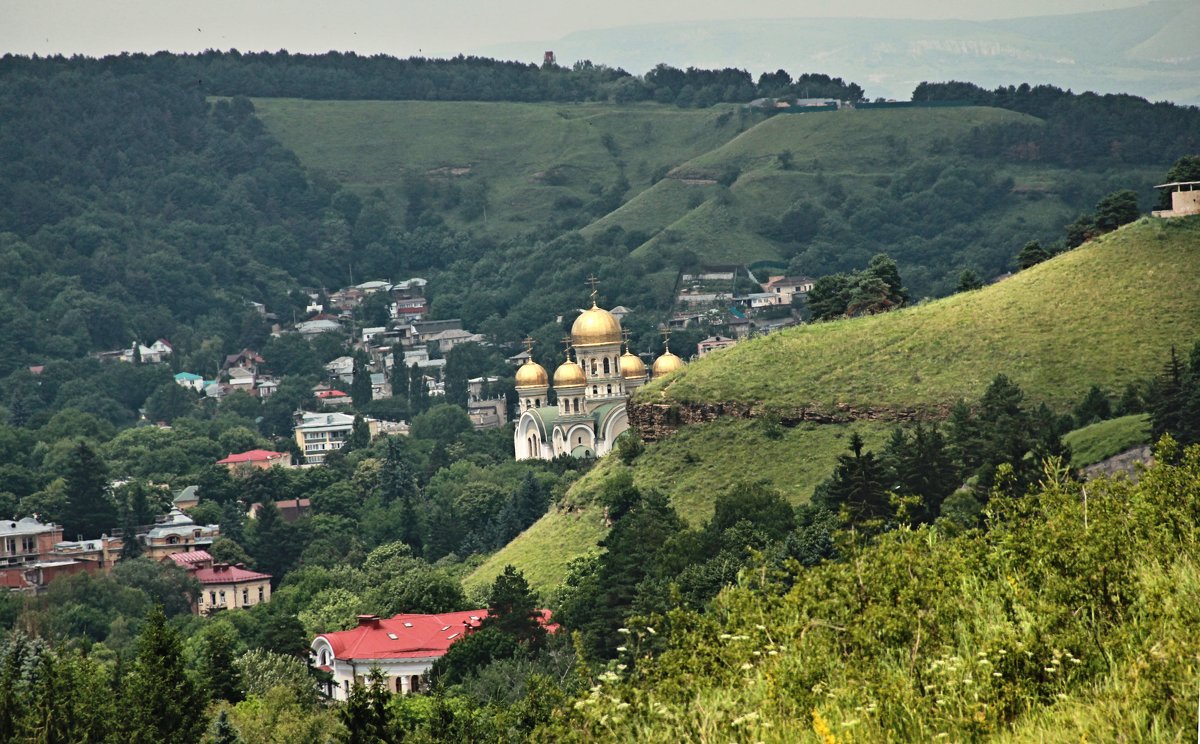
(408, 27)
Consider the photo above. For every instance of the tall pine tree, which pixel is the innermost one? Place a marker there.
(90, 510)
(160, 701)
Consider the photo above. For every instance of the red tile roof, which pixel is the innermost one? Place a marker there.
(186, 559)
(331, 394)
(225, 574)
(407, 636)
(257, 455)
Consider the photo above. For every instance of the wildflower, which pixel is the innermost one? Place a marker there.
(621, 667)
(724, 636)
(622, 706)
(851, 722)
(997, 674)
(761, 627)
(941, 702)
(623, 630)
(740, 720)
(621, 649)
(747, 666)
(1073, 660)
(650, 630)
(1050, 669)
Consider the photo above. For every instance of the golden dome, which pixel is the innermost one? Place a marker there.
(666, 364)
(569, 374)
(595, 327)
(632, 367)
(532, 375)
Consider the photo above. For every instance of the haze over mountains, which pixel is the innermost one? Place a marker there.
(1148, 50)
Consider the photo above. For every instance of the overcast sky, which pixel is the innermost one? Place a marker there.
(409, 27)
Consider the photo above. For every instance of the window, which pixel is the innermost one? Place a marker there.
(172, 540)
(595, 390)
(260, 594)
(28, 544)
(575, 402)
(212, 597)
(593, 368)
(606, 366)
(222, 596)
(245, 597)
(610, 389)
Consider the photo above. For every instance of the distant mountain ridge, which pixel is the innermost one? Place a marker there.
(1148, 50)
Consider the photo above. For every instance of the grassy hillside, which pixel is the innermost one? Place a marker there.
(1105, 313)
(691, 468)
(1091, 444)
(526, 156)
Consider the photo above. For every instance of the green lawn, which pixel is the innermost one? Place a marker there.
(1106, 313)
(1091, 444)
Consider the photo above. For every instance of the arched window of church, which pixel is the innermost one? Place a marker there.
(606, 366)
(576, 405)
(537, 402)
(610, 389)
(593, 368)
(595, 390)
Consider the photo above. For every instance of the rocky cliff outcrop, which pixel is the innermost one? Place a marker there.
(655, 421)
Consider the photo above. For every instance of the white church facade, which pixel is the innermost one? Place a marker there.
(591, 389)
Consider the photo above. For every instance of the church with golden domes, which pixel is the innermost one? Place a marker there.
(591, 388)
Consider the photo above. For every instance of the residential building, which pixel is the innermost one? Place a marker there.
(190, 381)
(241, 379)
(333, 397)
(318, 434)
(447, 340)
(100, 554)
(186, 498)
(222, 586)
(402, 647)
(177, 533)
(244, 359)
(380, 386)
(714, 343)
(290, 509)
(341, 368)
(313, 328)
(785, 288)
(256, 459)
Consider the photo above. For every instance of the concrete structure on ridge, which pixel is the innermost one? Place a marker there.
(1185, 199)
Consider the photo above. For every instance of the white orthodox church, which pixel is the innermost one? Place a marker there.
(591, 392)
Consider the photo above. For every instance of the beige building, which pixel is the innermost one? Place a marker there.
(1185, 199)
(222, 586)
(318, 434)
(177, 533)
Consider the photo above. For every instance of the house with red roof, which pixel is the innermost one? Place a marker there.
(403, 648)
(222, 586)
(257, 459)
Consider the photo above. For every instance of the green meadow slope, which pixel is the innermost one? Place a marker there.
(527, 157)
(1106, 313)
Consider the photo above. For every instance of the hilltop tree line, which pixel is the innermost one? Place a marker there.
(1077, 128)
(350, 76)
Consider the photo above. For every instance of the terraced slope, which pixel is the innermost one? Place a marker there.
(1106, 313)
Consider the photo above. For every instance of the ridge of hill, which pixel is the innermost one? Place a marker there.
(1106, 312)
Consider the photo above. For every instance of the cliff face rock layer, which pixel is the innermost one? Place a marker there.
(656, 421)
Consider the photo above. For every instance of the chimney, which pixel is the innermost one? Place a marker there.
(368, 621)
